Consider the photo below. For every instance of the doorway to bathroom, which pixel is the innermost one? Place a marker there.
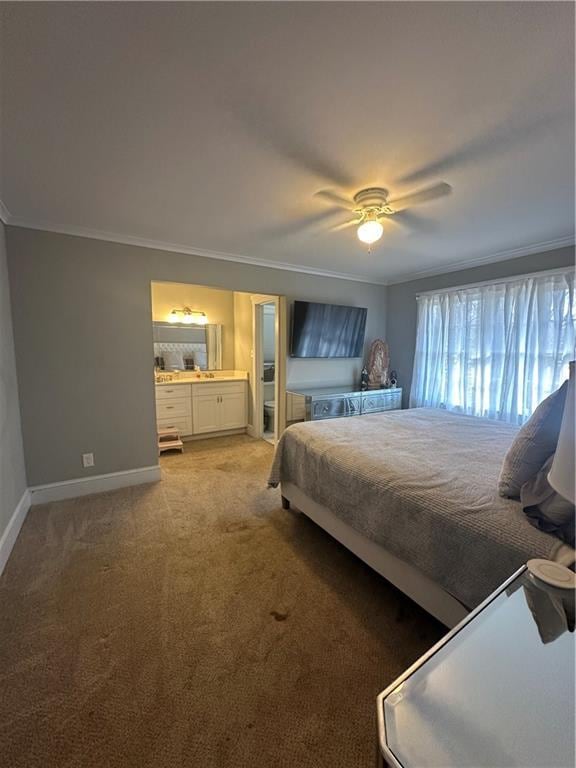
(268, 370)
(268, 410)
(214, 374)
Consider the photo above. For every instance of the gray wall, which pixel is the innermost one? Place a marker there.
(82, 325)
(12, 474)
(401, 301)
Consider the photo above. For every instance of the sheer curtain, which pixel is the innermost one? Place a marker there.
(495, 350)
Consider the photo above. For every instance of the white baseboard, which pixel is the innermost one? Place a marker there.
(10, 535)
(70, 489)
(251, 430)
(211, 435)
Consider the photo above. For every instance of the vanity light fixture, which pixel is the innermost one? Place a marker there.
(188, 316)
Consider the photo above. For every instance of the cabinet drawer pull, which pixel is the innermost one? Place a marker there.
(169, 407)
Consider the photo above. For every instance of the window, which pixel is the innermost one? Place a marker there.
(495, 349)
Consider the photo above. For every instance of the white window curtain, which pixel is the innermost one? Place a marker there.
(495, 350)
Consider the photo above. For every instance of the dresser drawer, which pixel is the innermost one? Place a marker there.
(183, 424)
(171, 392)
(334, 407)
(382, 401)
(168, 409)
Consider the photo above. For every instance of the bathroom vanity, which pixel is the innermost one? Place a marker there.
(193, 394)
(203, 405)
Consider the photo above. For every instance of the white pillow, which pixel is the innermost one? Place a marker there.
(533, 445)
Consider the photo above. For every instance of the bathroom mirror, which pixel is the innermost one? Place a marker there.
(182, 347)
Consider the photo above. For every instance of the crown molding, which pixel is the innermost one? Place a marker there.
(493, 258)
(159, 245)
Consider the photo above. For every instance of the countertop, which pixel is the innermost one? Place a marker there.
(201, 380)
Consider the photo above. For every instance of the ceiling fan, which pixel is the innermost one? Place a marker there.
(371, 206)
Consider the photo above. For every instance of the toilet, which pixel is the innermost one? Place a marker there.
(269, 406)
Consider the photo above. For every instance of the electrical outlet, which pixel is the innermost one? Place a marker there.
(87, 460)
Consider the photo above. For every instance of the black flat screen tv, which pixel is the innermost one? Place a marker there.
(327, 330)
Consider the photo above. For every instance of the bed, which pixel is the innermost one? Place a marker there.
(414, 494)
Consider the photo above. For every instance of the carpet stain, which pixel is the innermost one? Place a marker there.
(137, 632)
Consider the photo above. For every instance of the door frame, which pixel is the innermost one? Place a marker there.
(258, 302)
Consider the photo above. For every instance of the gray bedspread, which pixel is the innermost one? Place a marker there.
(423, 483)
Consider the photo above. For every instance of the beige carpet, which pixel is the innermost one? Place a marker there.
(195, 623)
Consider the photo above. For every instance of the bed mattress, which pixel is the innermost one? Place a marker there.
(423, 483)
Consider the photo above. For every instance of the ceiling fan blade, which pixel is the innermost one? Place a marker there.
(282, 134)
(298, 226)
(345, 225)
(335, 199)
(413, 221)
(422, 196)
(512, 132)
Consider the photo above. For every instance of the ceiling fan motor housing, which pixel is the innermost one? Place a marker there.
(371, 203)
(372, 197)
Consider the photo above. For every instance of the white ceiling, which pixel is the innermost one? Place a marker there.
(210, 126)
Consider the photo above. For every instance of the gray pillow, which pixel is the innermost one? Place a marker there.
(546, 509)
(533, 445)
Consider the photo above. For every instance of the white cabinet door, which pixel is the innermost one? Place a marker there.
(217, 407)
(206, 416)
(233, 410)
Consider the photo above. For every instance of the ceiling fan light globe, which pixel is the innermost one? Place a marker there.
(370, 231)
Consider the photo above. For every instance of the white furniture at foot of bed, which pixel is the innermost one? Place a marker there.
(407, 578)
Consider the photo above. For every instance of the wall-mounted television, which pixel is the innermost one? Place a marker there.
(327, 330)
